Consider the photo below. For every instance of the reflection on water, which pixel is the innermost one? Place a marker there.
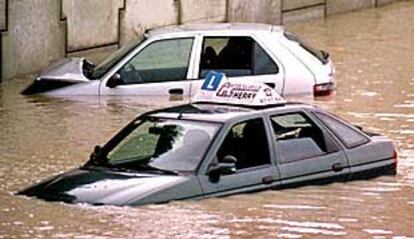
(373, 52)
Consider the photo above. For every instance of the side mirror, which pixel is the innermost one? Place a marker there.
(226, 166)
(114, 81)
(97, 156)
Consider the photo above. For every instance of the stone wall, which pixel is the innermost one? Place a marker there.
(35, 32)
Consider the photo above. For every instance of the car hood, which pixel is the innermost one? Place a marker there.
(66, 70)
(100, 187)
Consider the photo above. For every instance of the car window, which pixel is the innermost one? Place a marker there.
(165, 144)
(235, 56)
(322, 56)
(263, 64)
(247, 142)
(298, 137)
(349, 136)
(164, 60)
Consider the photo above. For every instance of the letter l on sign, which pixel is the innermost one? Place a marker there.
(212, 81)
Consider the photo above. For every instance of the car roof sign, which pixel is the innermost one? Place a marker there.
(217, 88)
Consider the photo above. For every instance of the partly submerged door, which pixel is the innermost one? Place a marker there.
(248, 142)
(307, 153)
(240, 58)
(160, 68)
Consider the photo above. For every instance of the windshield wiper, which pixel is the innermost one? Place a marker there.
(152, 168)
(110, 168)
(140, 168)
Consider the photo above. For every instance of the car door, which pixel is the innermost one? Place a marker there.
(367, 155)
(248, 142)
(306, 151)
(159, 68)
(240, 58)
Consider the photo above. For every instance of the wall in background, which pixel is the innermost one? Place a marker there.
(35, 32)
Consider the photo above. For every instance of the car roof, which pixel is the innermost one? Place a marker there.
(213, 27)
(220, 113)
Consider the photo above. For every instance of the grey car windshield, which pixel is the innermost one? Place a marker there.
(163, 144)
(110, 61)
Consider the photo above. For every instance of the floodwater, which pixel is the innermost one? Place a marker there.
(374, 53)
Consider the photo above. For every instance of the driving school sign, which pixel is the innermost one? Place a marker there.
(217, 88)
(238, 91)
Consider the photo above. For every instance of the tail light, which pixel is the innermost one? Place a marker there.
(323, 89)
(395, 157)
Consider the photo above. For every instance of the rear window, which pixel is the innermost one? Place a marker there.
(322, 56)
(299, 138)
(349, 136)
(235, 56)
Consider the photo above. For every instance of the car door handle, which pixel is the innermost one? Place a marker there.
(337, 167)
(271, 85)
(176, 91)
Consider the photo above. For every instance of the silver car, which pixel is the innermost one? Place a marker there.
(174, 61)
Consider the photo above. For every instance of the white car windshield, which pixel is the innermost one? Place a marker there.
(110, 61)
(162, 144)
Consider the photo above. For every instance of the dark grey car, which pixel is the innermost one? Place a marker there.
(205, 150)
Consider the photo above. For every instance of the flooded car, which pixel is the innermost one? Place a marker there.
(174, 61)
(247, 139)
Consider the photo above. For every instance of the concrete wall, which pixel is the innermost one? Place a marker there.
(91, 23)
(140, 15)
(302, 10)
(196, 11)
(262, 11)
(34, 36)
(383, 2)
(339, 6)
(3, 15)
(35, 32)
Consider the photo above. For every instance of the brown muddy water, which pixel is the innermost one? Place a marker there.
(374, 54)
